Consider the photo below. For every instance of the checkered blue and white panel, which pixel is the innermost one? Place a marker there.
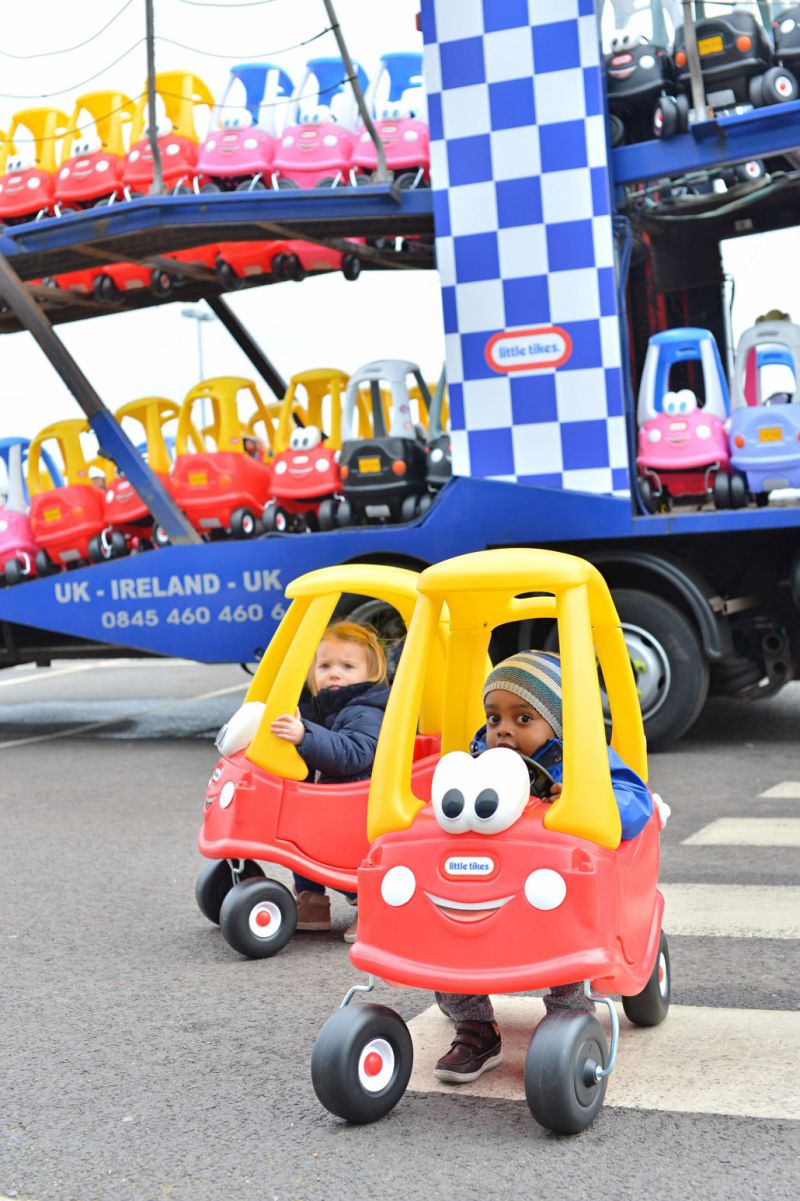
(522, 206)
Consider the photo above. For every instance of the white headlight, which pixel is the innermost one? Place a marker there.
(281, 467)
(703, 431)
(109, 496)
(211, 144)
(411, 135)
(64, 173)
(329, 140)
(545, 889)
(102, 164)
(227, 794)
(322, 465)
(654, 435)
(172, 149)
(134, 156)
(398, 886)
(250, 143)
(288, 140)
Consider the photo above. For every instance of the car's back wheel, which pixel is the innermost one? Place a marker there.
(651, 1005)
(214, 882)
(561, 1087)
(258, 917)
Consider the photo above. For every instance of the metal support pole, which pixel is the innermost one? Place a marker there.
(114, 442)
(157, 186)
(701, 109)
(244, 341)
(382, 174)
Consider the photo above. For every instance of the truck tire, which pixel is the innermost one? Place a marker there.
(664, 638)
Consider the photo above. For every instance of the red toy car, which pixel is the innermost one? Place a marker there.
(259, 804)
(26, 187)
(92, 172)
(179, 92)
(222, 491)
(303, 478)
(488, 889)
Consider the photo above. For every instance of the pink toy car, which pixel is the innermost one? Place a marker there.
(682, 446)
(240, 146)
(17, 548)
(397, 102)
(316, 148)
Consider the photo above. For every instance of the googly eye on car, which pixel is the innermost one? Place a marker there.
(215, 775)
(486, 795)
(502, 790)
(545, 889)
(296, 439)
(453, 784)
(313, 437)
(670, 403)
(687, 401)
(398, 886)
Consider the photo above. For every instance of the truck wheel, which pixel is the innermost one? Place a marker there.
(669, 663)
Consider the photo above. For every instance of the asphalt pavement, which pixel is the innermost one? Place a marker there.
(143, 1059)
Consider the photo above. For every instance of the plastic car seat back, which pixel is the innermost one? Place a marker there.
(394, 373)
(321, 406)
(746, 374)
(110, 112)
(285, 664)
(263, 85)
(47, 128)
(330, 75)
(228, 428)
(152, 413)
(487, 589)
(181, 93)
(65, 438)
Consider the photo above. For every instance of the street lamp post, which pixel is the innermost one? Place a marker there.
(199, 316)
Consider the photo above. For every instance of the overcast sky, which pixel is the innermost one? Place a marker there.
(322, 322)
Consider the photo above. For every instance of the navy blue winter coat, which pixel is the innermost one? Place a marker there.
(342, 727)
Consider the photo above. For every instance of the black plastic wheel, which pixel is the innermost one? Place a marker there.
(561, 1088)
(279, 266)
(328, 181)
(665, 118)
(96, 554)
(275, 519)
(648, 495)
(295, 269)
(251, 185)
(721, 490)
(210, 187)
(258, 917)
(286, 185)
(682, 106)
(738, 490)
(243, 523)
(344, 514)
(161, 282)
(409, 509)
(351, 266)
(214, 882)
(425, 502)
(12, 572)
(361, 1062)
(755, 87)
(226, 274)
(778, 86)
(650, 1006)
(118, 544)
(44, 564)
(762, 499)
(326, 517)
(616, 129)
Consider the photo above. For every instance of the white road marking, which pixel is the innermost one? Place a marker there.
(50, 674)
(732, 910)
(748, 832)
(716, 1061)
(788, 790)
(115, 721)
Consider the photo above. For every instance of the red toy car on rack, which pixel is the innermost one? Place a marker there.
(92, 171)
(222, 491)
(179, 94)
(259, 805)
(26, 187)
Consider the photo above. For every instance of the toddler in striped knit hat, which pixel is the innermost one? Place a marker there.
(522, 702)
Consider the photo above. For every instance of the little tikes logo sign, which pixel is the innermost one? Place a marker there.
(528, 349)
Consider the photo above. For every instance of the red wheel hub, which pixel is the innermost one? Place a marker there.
(373, 1064)
(263, 918)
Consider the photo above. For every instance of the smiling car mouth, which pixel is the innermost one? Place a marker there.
(468, 911)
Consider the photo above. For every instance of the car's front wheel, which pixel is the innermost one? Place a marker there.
(361, 1062)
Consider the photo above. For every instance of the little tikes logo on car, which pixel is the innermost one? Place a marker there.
(528, 349)
(469, 867)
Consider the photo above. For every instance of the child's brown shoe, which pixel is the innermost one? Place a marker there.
(313, 911)
(351, 933)
(475, 1049)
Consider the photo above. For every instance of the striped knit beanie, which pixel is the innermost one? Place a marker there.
(536, 677)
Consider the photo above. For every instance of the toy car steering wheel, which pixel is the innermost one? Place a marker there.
(541, 780)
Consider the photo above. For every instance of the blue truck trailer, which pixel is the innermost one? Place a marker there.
(558, 258)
